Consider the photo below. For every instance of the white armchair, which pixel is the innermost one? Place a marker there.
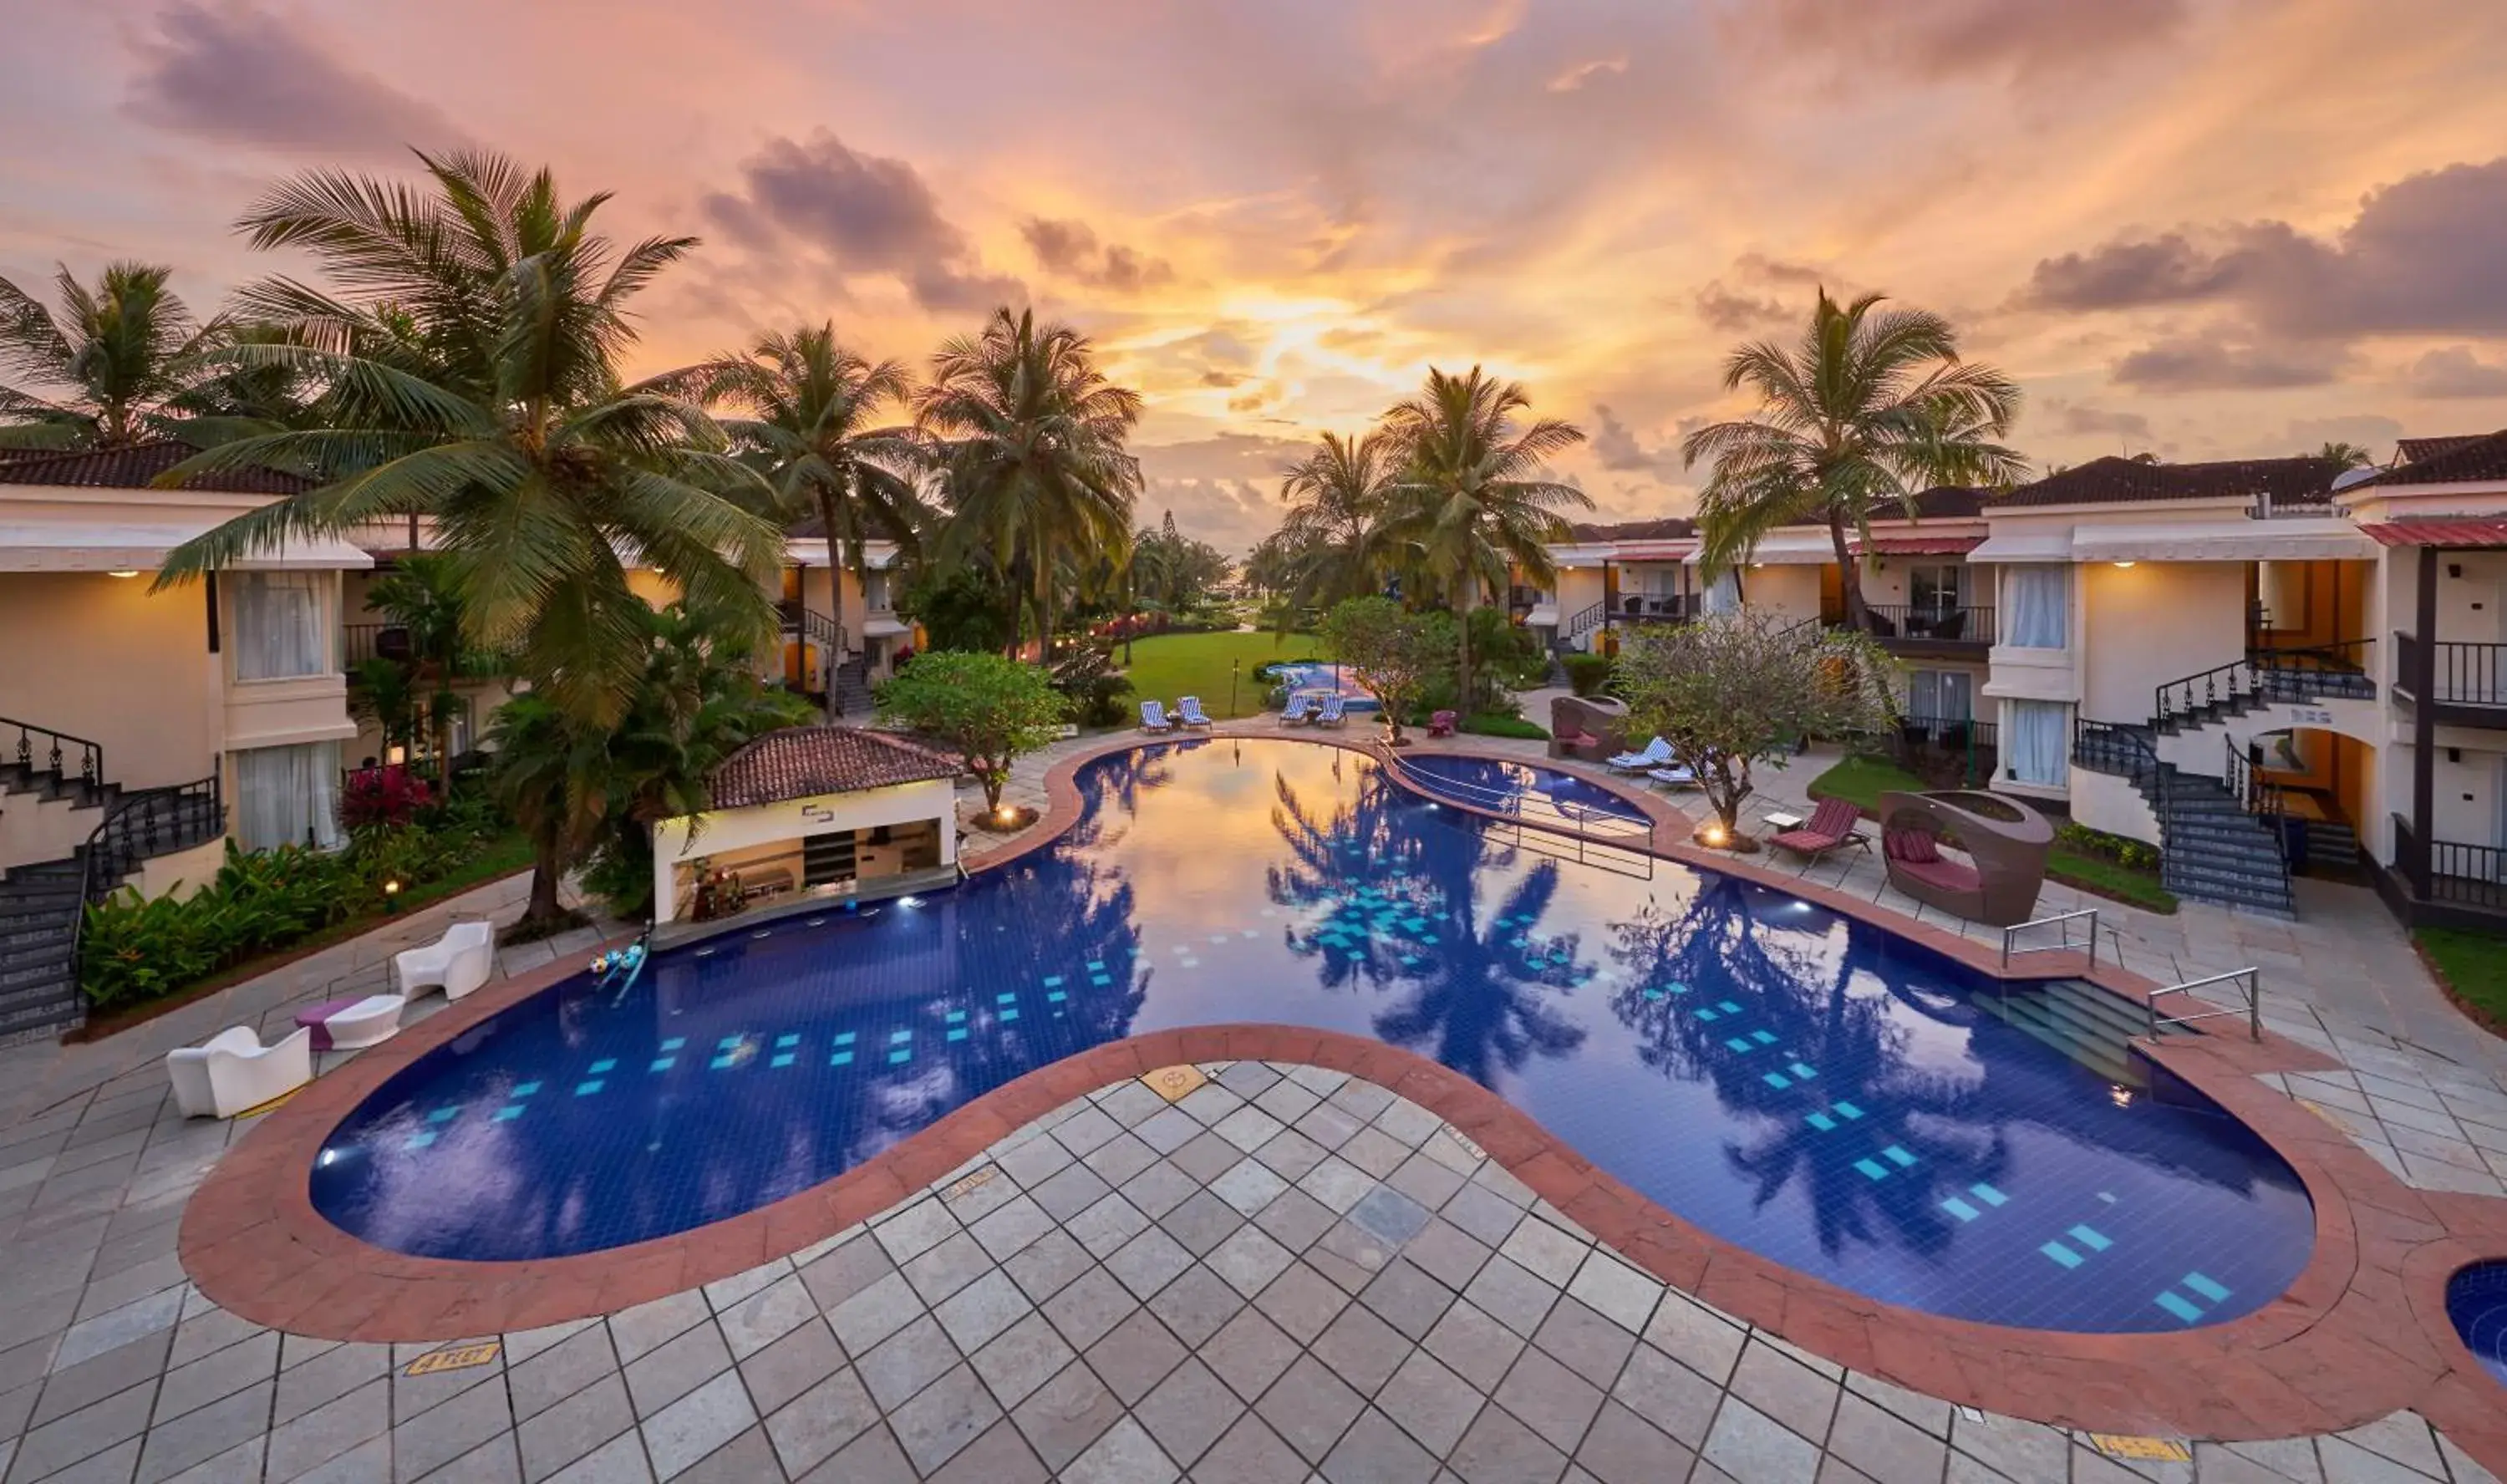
(460, 960)
(233, 1071)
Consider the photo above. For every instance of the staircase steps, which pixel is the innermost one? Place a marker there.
(852, 688)
(2086, 1023)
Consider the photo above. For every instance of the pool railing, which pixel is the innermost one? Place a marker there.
(1528, 805)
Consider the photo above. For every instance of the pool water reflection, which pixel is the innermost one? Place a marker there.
(1814, 1090)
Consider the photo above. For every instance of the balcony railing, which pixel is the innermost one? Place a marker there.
(1653, 608)
(2458, 874)
(1930, 623)
(2465, 674)
(1941, 750)
(361, 642)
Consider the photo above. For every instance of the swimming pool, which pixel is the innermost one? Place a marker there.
(2476, 1304)
(1812, 1089)
(1518, 788)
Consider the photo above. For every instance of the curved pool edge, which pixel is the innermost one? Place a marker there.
(2326, 1355)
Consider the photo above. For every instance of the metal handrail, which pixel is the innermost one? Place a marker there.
(1583, 619)
(1568, 816)
(141, 825)
(2250, 980)
(2065, 918)
(91, 771)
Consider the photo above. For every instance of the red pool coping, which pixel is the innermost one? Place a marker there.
(2360, 1333)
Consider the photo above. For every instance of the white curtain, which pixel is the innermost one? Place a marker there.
(1723, 594)
(2033, 745)
(1938, 695)
(278, 626)
(2040, 607)
(289, 796)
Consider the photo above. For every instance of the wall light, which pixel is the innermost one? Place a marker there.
(126, 572)
(2122, 565)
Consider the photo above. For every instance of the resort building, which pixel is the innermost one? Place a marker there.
(809, 814)
(141, 727)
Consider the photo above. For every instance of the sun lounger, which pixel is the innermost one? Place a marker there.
(1831, 826)
(1677, 776)
(1657, 754)
(1188, 711)
(1299, 710)
(232, 1071)
(1335, 710)
(1153, 717)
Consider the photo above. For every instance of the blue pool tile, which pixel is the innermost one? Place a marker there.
(2178, 1307)
(1802, 1071)
(662, 1064)
(508, 1113)
(1706, 1014)
(604, 1065)
(958, 1035)
(1005, 998)
(1678, 988)
(1763, 1037)
(1776, 1079)
(1101, 981)
(1961, 1209)
(1738, 1044)
(899, 1057)
(1897, 1156)
(1821, 1122)
(2205, 1286)
(1871, 1169)
(1006, 1016)
(1728, 1007)
(1848, 1110)
(588, 1088)
(955, 1017)
(782, 1059)
(1097, 965)
(1053, 980)
(729, 1042)
(844, 1037)
(787, 1042)
(523, 1089)
(841, 1059)
(444, 1115)
(1653, 993)
(2062, 1253)
(723, 1061)
(2089, 1237)
(674, 1043)
(1987, 1194)
(899, 1038)
(419, 1139)
(1057, 996)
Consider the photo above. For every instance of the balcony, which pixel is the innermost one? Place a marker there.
(2467, 683)
(1653, 608)
(1943, 630)
(2466, 884)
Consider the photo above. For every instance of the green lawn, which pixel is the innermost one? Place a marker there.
(1864, 779)
(2474, 965)
(1170, 667)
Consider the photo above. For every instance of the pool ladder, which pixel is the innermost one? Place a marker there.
(2249, 984)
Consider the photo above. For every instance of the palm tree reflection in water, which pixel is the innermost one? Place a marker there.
(1403, 912)
(1681, 961)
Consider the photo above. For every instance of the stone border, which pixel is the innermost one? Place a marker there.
(2333, 1351)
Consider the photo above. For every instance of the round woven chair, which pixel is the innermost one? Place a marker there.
(2006, 841)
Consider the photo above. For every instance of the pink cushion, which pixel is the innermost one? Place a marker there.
(1911, 846)
(1948, 875)
(1804, 839)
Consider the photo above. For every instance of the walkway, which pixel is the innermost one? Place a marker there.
(1285, 1275)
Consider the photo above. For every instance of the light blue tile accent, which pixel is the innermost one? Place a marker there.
(1897, 1156)
(508, 1113)
(1006, 1016)
(1099, 980)
(1728, 1008)
(587, 1089)
(1653, 992)
(2062, 1253)
(958, 1035)
(1848, 1110)
(1802, 1071)
(2089, 1237)
(1706, 1014)
(1763, 1037)
(841, 1059)
(721, 1061)
(1738, 1044)
(523, 1089)
(899, 1038)
(1005, 997)
(1096, 966)
(782, 1059)
(2178, 1307)
(787, 1042)
(674, 1043)
(1053, 980)
(1821, 1122)
(1871, 1170)
(899, 1057)
(844, 1037)
(2205, 1286)
(419, 1139)
(604, 1065)
(1961, 1209)
(1987, 1194)
(955, 1017)
(1055, 996)
(443, 1114)
(729, 1042)
(1679, 988)
(1776, 1079)
(1410, 960)
(662, 1064)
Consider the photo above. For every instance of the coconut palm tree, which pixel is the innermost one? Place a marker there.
(469, 361)
(111, 369)
(1870, 407)
(1473, 495)
(2349, 455)
(1338, 496)
(1030, 448)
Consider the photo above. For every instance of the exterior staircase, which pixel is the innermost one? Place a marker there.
(104, 834)
(852, 688)
(2091, 1026)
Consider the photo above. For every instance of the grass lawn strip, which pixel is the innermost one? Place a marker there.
(1169, 667)
(2471, 968)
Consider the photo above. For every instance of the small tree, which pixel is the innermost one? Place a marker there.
(1745, 689)
(989, 707)
(1395, 654)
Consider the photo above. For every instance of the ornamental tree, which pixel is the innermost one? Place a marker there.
(1395, 654)
(989, 707)
(1733, 692)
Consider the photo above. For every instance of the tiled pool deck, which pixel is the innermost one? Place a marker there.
(1331, 1283)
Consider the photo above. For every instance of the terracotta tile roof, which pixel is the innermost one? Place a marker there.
(2123, 481)
(137, 466)
(2414, 450)
(800, 761)
(2474, 460)
(2451, 532)
(1669, 529)
(1941, 502)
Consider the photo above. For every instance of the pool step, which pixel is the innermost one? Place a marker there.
(2087, 1024)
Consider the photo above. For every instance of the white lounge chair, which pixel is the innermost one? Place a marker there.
(1299, 710)
(233, 1071)
(1677, 776)
(1657, 754)
(461, 962)
(1188, 711)
(1335, 710)
(370, 1022)
(1153, 717)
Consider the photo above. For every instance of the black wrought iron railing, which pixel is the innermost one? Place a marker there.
(1653, 608)
(141, 826)
(1522, 599)
(2254, 790)
(1941, 749)
(41, 750)
(360, 642)
(2308, 672)
(1931, 623)
(1583, 620)
(2461, 875)
(2461, 673)
(2103, 746)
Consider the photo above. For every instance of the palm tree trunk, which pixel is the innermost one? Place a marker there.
(1849, 574)
(1015, 580)
(828, 521)
(546, 872)
(1462, 691)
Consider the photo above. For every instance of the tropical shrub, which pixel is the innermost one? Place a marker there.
(988, 706)
(1091, 687)
(1587, 674)
(1398, 655)
(2123, 850)
(381, 796)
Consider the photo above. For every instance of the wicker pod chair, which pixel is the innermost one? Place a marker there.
(2006, 841)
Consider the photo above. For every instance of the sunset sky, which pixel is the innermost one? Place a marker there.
(2207, 228)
